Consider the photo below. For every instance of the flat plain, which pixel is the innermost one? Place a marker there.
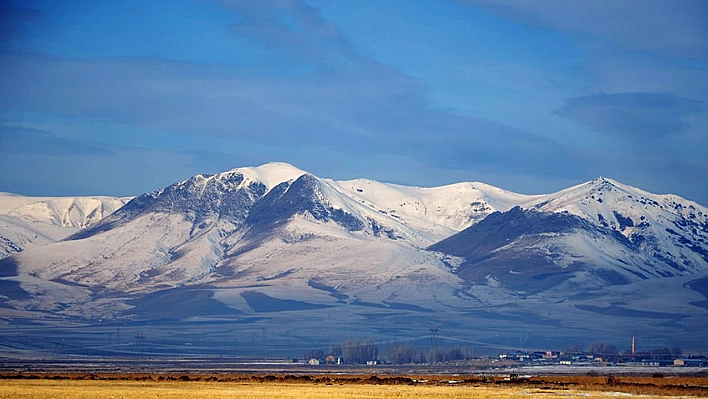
(50, 389)
(213, 387)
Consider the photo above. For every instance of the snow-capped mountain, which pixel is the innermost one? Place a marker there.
(589, 236)
(643, 218)
(276, 248)
(181, 234)
(26, 222)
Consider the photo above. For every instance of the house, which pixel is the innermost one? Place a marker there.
(313, 362)
(691, 362)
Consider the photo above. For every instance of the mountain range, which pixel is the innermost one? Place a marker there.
(275, 259)
(26, 222)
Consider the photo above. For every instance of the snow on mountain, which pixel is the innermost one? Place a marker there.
(590, 236)
(166, 238)
(531, 251)
(310, 243)
(271, 174)
(26, 222)
(320, 264)
(77, 212)
(281, 248)
(16, 235)
(429, 214)
(208, 226)
(669, 229)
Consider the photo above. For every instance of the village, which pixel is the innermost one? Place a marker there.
(366, 352)
(657, 358)
(536, 358)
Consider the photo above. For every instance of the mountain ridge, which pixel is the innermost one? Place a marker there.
(261, 245)
(27, 222)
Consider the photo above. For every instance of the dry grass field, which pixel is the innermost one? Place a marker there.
(153, 386)
(74, 389)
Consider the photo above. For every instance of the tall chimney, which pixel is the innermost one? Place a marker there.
(632, 345)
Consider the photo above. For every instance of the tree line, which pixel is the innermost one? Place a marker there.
(604, 348)
(349, 351)
(363, 351)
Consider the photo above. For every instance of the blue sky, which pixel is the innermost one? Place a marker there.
(125, 97)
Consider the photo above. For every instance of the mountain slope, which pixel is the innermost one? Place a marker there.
(276, 249)
(26, 222)
(199, 230)
(530, 251)
(670, 229)
(160, 239)
(589, 236)
(78, 212)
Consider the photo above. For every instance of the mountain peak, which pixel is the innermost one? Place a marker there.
(271, 246)
(594, 189)
(603, 184)
(601, 180)
(271, 174)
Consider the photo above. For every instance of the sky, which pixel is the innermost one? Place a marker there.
(125, 97)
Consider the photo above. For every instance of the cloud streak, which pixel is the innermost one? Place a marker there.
(382, 114)
(524, 95)
(666, 28)
(21, 140)
(637, 117)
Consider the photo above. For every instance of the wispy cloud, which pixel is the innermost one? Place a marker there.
(525, 95)
(294, 30)
(370, 110)
(666, 28)
(638, 117)
(21, 140)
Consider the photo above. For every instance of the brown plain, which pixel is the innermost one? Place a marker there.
(211, 387)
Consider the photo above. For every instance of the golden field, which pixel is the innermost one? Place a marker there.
(67, 389)
(159, 389)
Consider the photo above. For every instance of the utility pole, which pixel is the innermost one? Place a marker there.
(140, 343)
(433, 343)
